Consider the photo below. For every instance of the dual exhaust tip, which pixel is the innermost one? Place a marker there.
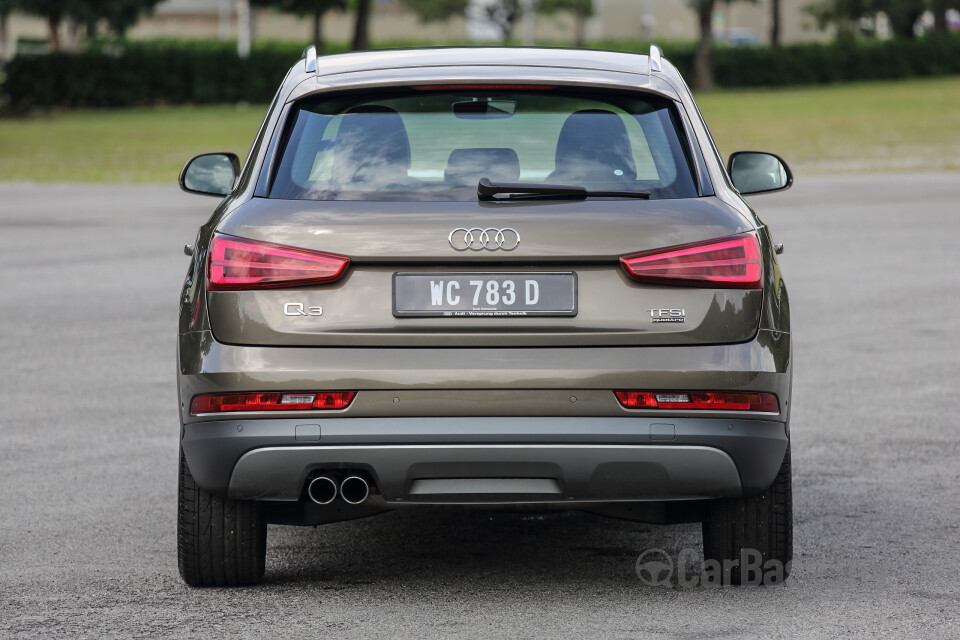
(324, 489)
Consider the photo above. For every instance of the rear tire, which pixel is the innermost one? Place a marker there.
(220, 542)
(751, 539)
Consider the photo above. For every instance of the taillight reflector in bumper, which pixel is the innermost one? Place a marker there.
(699, 400)
(293, 401)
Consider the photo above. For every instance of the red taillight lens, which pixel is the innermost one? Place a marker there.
(701, 400)
(238, 263)
(729, 263)
(293, 401)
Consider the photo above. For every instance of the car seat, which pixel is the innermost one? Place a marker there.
(593, 147)
(372, 150)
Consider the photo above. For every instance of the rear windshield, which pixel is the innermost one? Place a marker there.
(436, 144)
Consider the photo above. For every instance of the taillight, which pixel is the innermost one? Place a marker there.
(238, 263)
(728, 263)
(293, 401)
(700, 400)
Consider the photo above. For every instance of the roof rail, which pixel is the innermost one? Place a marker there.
(656, 58)
(310, 55)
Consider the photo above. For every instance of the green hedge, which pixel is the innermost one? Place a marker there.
(841, 62)
(161, 72)
(179, 72)
(805, 64)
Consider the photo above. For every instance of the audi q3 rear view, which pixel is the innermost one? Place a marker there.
(482, 277)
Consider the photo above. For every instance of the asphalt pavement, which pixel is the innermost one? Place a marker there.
(89, 281)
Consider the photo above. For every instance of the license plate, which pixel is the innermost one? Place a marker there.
(484, 294)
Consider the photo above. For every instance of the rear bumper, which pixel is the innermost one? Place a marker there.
(491, 460)
(485, 382)
(439, 425)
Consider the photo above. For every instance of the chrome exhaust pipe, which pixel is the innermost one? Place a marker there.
(354, 490)
(322, 490)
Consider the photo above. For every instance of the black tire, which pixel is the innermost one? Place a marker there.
(736, 531)
(220, 542)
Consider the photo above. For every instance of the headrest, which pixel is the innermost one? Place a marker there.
(371, 144)
(594, 144)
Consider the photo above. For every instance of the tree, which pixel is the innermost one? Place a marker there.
(316, 9)
(903, 15)
(6, 6)
(703, 54)
(842, 14)
(53, 11)
(361, 27)
(120, 15)
(939, 8)
(581, 10)
(436, 10)
(503, 13)
(774, 24)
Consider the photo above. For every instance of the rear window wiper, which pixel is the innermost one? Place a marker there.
(487, 190)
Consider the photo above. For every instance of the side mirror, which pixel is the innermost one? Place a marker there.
(759, 172)
(210, 174)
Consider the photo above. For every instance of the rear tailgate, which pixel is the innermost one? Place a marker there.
(581, 241)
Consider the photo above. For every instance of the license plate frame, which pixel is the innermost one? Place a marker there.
(561, 287)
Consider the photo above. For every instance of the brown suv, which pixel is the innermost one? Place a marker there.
(483, 276)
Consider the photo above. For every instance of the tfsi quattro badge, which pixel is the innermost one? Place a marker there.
(667, 315)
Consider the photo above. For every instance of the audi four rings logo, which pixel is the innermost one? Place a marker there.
(477, 239)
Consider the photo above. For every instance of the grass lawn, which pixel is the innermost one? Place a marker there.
(123, 145)
(908, 125)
